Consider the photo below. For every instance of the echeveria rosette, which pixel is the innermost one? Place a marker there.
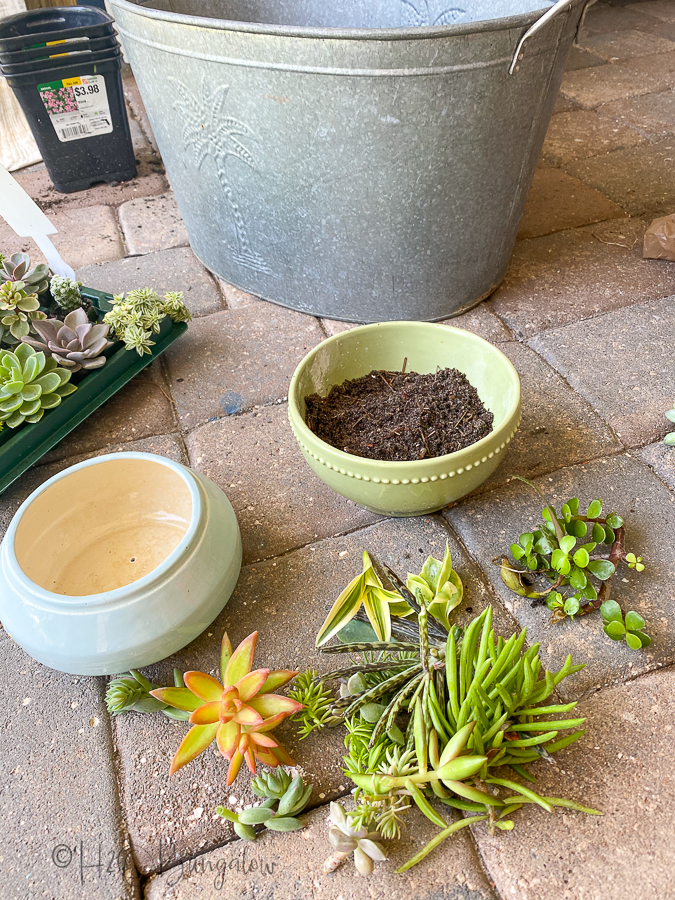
(30, 383)
(439, 586)
(18, 309)
(75, 343)
(238, 714)
(17, 268)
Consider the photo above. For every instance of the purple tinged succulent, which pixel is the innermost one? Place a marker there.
(74, 343)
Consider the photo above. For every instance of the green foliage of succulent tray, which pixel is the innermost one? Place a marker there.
(567, 551)
(21, 448)
(30, 384)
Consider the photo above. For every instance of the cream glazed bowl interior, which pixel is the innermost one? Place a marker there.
(116, 563)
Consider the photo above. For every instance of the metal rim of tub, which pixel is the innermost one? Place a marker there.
(350, 34)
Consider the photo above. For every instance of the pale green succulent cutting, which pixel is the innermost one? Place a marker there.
(30, 383)
(17, 309)
(439, 586)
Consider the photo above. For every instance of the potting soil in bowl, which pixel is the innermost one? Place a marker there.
(400, 416)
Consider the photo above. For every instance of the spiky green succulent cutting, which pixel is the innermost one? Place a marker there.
(30, 384)
(65, 292)
(136, 317)
(131, 692)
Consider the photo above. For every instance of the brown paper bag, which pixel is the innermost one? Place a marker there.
(660, 239)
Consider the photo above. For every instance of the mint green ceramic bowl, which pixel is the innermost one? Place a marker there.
(407, 488)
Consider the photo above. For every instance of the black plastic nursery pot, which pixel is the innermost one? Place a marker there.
(21, 448)
(57, 50)
(38, 65)
(77, 115)
(41, 27)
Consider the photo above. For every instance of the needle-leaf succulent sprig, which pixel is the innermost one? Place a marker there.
(578, 553)
(309, 690)
(130, 692)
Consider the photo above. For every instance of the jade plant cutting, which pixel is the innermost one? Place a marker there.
(577, 553)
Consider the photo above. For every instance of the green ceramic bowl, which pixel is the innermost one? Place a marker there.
(407, 488)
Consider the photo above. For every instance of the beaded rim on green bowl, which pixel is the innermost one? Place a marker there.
(413, 471)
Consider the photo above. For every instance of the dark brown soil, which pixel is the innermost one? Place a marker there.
(400, 416)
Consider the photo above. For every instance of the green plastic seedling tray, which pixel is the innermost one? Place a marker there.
(20, 449)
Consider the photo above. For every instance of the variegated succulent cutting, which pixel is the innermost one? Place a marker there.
(437, 584)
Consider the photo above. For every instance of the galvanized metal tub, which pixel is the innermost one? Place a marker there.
(365, 161)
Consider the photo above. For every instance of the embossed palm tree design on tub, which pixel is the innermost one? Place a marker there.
(418, 14)
(211, 134)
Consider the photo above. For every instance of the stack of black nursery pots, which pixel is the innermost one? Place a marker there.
(64, 66)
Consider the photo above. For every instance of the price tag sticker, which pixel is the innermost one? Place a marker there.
(78, 107)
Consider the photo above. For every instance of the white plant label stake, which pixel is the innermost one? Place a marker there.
(24, 216)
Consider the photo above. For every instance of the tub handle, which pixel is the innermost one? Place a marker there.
(533, 29)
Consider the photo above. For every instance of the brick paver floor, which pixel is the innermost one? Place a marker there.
(87, 808)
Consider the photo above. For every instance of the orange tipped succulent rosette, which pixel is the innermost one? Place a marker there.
(238, 714)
